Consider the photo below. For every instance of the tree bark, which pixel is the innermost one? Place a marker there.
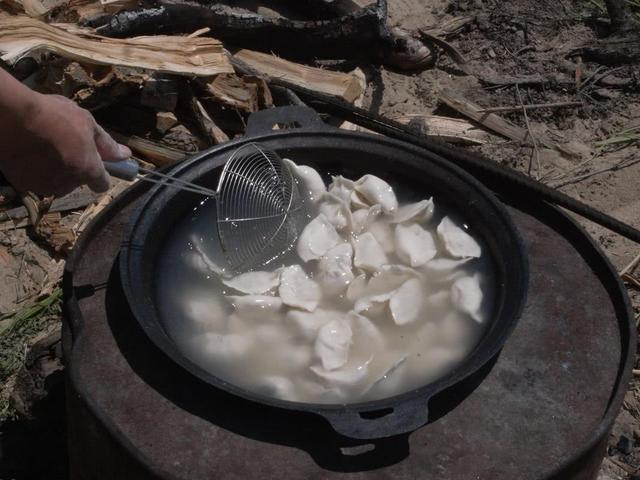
(617, 14)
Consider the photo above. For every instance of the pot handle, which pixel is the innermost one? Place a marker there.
(404, 417)
(289, 117)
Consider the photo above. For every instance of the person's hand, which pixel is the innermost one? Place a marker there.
(54, 146)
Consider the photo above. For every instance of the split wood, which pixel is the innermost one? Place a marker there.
(631, 266)
(532, 106)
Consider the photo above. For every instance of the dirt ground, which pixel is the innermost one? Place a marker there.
(509, 39)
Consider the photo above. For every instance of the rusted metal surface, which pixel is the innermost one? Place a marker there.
(542, 411)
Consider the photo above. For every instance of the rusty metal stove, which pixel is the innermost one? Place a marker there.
(542, 410)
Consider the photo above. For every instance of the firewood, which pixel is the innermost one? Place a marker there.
(247, 93)
(160, 92)
(165, 121)
(362, 33)
(20, 36)
(207, 125)
(452, 130)
(343, 85)
(153, 152)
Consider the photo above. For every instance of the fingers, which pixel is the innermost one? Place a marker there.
(108, 149)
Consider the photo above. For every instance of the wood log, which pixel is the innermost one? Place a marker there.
(153, 152)
(20, 36)
(207, 125)
(247, 93)
(344, 85)
(362, 33)
(452, 130)
(165, 121)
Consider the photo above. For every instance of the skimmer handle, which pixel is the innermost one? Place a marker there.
(125, 169)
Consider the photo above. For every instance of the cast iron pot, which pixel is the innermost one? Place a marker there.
(308, 140)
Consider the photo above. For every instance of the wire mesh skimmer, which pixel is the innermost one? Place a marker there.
(258, 204)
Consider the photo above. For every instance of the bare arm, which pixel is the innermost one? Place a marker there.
(50, 145)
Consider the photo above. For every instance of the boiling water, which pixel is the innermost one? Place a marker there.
(264, 353)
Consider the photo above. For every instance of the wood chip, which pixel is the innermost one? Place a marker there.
(22, 36)
(452, 130)
(344, 85)
(247, 93)
(490, 121)
(215, 134)
(165, 121)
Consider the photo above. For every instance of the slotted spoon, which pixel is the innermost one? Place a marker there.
(257, 199)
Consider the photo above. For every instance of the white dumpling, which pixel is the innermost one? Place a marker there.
(390, 378)
(390, 278)
(369, 255)
(414, 245)
(334, 269)
(298, 290)
(346, 377)
(357, 201)
(336, 211)
(441, 265)
(317, 238)
(333, 343)
(269, 333)
(254, 283)
(377, 191)
(252, 306)
(310, 180)
(205, 312)
(306, 325)
(383, 233)
(406, 302)
(456, 241)
(373, 304)
(361, 219)
(466, 295)
(342, 188)
(414, 212)
(277, 386)
(224, 346)
(357, 288)
(200, 261)
(365, 334)
(441, 299)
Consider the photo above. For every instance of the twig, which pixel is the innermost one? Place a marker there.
(449, 49)
(579, 178)
(535, 152)
(631, 267)
(631, 280)
(531, 106)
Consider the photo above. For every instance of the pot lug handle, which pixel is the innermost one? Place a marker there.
(379, 423)
(289, 117)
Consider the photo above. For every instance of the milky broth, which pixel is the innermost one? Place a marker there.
(263, 352)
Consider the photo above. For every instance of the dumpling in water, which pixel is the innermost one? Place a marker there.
(357, 288)
(254, 283)
(310, 179)
(383, 233)
(365, 334)
(298, 290)
(342, 188)
(334, 269)
(414, 212)
(369, 255)
(336, 211)
(361, 219)
(414, 245)
(344, 377)
(456, 241)
(466, 295)
(307, 324)
(223, 346)
(317, 238)
(406, 302)
(205, 312)
(444, 265)
(276, 386)
(377, 191)
(252, 306)
(333, 343)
